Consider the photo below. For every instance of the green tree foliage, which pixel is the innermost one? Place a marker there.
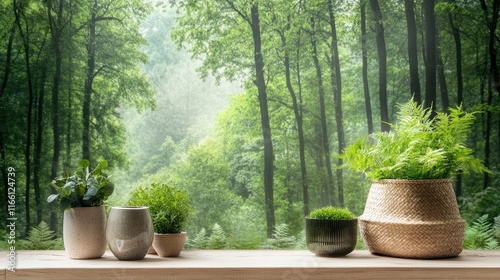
(46, 51)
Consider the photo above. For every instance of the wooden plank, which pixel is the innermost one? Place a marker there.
(255, 264)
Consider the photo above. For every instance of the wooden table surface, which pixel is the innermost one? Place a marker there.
(252, 264)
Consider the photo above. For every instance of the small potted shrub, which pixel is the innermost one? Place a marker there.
(170, 208)
(331, 231)
(81, 195)
(411, 210)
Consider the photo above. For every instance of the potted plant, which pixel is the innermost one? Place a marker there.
(81, 195)
(331, 231)
(411, 210)
(170, 208)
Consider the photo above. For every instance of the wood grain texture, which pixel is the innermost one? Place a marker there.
(253, 264)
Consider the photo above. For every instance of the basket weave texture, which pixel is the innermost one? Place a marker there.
(412, 219)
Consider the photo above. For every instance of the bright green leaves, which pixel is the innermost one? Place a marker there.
(83, 189)
(418, 147)
(169, 206)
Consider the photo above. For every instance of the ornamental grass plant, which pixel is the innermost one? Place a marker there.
(417, 147)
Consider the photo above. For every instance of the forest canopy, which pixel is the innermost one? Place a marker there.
(244, 104)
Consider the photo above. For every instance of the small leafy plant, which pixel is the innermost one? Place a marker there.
(84, 188)
(417, 147)
(332, 213)
(169, 206)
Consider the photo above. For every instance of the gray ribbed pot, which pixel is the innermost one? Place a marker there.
(331, 237)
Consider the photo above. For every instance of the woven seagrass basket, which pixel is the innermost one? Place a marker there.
(412, 219)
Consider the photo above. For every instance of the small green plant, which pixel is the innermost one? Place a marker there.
(41, 238)
(200, 240)
(169, 206)
(218, 238)
(417, 147)
(84, 188)
(332, 213)
(282, 239)
(481, 235)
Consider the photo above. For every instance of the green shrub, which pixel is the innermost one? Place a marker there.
(332, 213)
(169, 206)
(417, 147)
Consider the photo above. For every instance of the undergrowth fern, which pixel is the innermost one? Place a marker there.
(41, 238)
(417, 147)
(281, 239)
(481, 235)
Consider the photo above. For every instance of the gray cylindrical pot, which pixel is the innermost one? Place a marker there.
(331, 237)
(129, 232)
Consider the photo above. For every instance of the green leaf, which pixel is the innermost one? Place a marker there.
(84, 163)
(52, 197)
(90, 193)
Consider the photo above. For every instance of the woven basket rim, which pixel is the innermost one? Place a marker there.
(315, 219)
(416, 181)
(415, 223)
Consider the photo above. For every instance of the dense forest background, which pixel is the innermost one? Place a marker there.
(244, 104)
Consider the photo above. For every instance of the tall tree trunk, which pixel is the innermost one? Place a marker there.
(337, 99)
(412, 51)
(27, 154)
(88, 87)
(458, 58)
(264, 116)
(492, 25)
(460, 84)
(327, 193)
(3, 170)
(298, 120)
(38, 149)
(366, 88)
(56, 33)
(8, 60)
(443, 88)
(430, 48)
(382, 65)
(493, 77)
(487, 136)
(3, 87)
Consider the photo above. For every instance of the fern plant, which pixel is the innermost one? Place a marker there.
(41, 238)
(281, 239)
(481, 235)
(200, 240)
(417, 147)
(218, 238)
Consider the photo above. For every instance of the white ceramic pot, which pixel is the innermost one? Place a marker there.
(129, 232)
(169, 244)
(84, 232)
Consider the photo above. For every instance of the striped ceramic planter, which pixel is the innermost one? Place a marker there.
(331, 237)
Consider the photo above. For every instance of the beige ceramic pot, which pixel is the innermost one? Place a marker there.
(129, 232)
(84, 232)
(169, 244)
